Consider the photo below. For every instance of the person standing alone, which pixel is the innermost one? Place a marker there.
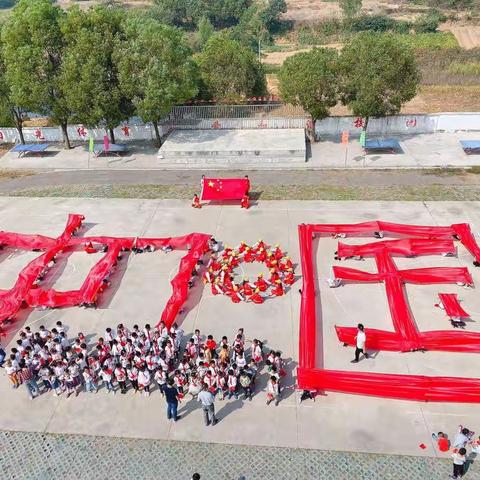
(361, 339)
(171, 396)
(207, 399)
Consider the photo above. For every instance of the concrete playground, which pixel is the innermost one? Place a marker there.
(417, 151)
(140, 288)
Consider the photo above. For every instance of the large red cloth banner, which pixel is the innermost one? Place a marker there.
(26, 290)
(449, 301)
(224, 188)
(405, 337)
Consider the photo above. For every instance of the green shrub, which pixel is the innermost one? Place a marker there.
(378, 23)
(466, 69)
(428, 23)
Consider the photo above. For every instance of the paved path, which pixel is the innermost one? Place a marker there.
(292, 177)
(44, 456)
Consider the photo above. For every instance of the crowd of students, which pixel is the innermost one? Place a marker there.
(141, 360)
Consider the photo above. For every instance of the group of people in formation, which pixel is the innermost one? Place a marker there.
(140, 359)
(219, 272)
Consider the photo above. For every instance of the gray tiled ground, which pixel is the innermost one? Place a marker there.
(46, 456)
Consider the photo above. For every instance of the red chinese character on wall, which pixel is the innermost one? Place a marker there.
(358, 122)
(126, 130)
(1, 135)
(216, 124)
(38, 134)
(309, 124)
(262, 124)
(82, 132)
(411, 122)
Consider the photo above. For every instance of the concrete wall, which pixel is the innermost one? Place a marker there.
(401, 124)
(77, 133)
(333, 126)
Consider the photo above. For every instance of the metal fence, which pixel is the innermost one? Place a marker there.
(272, 115)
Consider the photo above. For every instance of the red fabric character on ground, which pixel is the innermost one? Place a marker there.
(89, 248)
(196, 202)
(245, 203)
(261, 284)
(277, 291)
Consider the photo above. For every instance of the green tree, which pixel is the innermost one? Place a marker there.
(33, 55)
(155, 68)
(10, 115)
(378, 75)
(350, 8)
(89, 75)
(310, 79)
(271, 14)
(204, 32)
(187, 13)
(230, 71)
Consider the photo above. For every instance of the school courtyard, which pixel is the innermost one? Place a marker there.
(336, 436)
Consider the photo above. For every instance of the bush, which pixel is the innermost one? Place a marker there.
(428, 23)
(379, 23)
(323, 32)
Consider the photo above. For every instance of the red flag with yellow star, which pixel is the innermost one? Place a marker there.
(224, 188)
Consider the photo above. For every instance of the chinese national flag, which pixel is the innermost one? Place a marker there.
(224, 188)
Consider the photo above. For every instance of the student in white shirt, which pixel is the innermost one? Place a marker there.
(459, 460)
(361, 339)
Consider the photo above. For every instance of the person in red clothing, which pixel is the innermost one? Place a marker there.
(247, 288)
(289, 278)
(274, 276)
(443, 443)
(234, 294)
(261, 255)
(216, 288)
(286, 264)
(277, 290)
(249, 255)
(242, 247)
(245, 202)
(256, 297)
(277, 253)
(211, 345)
(259, 245)
(89, 248)
(261, 284)
(196, 202)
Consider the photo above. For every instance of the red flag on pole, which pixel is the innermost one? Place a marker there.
(224, 188)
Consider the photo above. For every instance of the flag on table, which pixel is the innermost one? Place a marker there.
(224, 188)
(90, 145)
(363, 138)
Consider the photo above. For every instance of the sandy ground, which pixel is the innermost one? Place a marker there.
(468, 36)
(140, 289)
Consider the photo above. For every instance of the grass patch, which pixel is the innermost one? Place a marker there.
(270, 68)
(267, 192)
(428, 41)
(12, 174)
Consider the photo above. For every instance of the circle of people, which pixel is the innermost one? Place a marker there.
(138, 359)
(219, 272)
